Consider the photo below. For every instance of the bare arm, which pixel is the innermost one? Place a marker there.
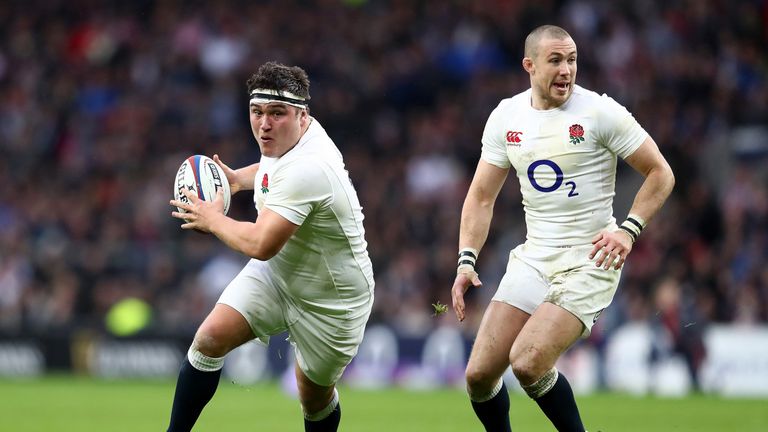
(659, 179)
(476, 218)
(262, 239)
(478, 205)
(658, 184)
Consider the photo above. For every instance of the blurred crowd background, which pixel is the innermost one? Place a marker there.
(101, 101)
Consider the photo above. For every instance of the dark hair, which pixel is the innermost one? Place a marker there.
(276, 76)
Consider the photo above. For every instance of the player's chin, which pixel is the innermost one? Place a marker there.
(561, 93)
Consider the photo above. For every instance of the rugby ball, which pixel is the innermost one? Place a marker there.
(204, 177)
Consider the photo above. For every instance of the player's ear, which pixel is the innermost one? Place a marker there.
(528, 65)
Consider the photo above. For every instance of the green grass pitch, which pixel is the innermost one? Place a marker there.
(65, 403)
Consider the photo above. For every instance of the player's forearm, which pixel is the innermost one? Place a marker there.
(245, 177)
(653, 193)
(476, 218)
(241, 236)
(477, 212)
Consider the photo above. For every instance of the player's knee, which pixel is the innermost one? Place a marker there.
(312, 404)
(528, 368)
(314, 400)
(211, 343)
(482, 384)
(524, 372)
(320, 406)
(479, 380)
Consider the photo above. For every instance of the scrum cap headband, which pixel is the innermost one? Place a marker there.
(264, 96)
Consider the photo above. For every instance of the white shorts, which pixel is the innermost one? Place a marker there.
(324, 344)
(564, 276)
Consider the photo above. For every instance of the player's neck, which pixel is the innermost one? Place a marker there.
(545, 104)
(301, 135)
(542, 102)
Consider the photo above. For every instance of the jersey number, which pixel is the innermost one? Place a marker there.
(558, 177)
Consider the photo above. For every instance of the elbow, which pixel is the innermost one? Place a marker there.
(663, 178)
(260, 251)
(261, 255)
(670, 176)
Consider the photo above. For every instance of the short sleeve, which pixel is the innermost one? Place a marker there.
(494, 148)
(297, 189)
(618, 129)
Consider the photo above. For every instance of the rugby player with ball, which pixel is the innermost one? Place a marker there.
(309, 273)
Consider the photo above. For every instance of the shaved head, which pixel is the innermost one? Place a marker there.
(539, 33)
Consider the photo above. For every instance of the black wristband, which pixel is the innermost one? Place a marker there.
(467, 256)
(636, 223)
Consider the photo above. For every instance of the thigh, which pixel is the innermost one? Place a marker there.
(523, 285)
(325, 344)
(546, 335)
(223, 330)
(500, 326)
(258, 299)
(582, 289)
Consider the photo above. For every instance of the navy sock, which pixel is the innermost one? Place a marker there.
(194, 389)
(560, 407)
(494, 413)
(328, 424)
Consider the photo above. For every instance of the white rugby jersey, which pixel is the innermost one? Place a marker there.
(325, 264)
(565, 159)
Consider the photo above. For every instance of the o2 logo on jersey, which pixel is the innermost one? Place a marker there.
(558, 177)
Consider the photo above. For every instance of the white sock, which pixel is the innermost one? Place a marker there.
(202, 362)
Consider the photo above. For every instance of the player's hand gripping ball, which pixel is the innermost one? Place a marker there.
(204, 177)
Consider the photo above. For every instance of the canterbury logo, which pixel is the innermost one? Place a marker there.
(513, 137)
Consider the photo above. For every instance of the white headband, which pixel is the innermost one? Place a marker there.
(264, 96)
